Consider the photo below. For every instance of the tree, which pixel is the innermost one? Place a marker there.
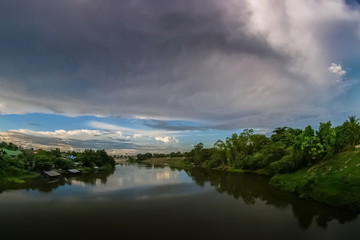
(348, 134)
(285, 135)
(44, 160)
(327, 137)
(91, 158)
(308, 147)
(198, 155)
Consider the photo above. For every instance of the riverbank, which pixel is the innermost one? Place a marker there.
(173, 162)
(30, 175)
(335, 181)
(20, 178)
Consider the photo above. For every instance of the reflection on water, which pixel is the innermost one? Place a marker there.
(164, 175)
(250, 188)
(45, 185)
(156, 203)
(126, 178)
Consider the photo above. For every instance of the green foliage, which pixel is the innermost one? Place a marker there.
(348, 134)
(286, 150)
(284, 165)
(145, 156)
(142, 157)
(285, 135)
(308, 147)
(132, 159)
(335, 181)
(9, 146)
(91, 158)
(13, 166)
(64, 163)
(327, 137)
(217, 159)
(43, 160)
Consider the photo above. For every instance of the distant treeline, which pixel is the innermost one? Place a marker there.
(286, 150)
(141, 157)
(16, 161)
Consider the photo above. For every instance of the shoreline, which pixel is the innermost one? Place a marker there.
(22, 179)
(336, 187)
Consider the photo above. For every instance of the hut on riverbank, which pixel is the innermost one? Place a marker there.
(73, 171)
(50, 174)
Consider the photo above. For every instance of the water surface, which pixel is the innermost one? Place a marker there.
(144, 202)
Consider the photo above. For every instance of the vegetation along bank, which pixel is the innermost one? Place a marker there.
(322, 164)
(18, 165)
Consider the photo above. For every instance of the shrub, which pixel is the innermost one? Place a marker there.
(284, 165)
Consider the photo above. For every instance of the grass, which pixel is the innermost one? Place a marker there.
(19, 179)
(335, 181)
(175, 162)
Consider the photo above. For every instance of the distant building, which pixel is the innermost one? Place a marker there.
(11, 153)
(73, 171)
(51, 174)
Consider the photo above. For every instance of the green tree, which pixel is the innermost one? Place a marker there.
(308, 147)
(285, 135)
(198, 153)
(327, 137)
(44, 160)
(348, 134)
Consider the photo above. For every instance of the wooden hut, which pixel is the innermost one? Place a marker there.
(51, 174)
(73, 171)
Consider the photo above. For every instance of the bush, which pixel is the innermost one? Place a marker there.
(284, 165)
(253, 162)
(64, 163)
(91, 158)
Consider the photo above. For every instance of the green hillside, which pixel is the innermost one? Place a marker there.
(335, 181)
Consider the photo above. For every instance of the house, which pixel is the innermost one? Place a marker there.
(11, 153)
(51, 174)
(73, 171)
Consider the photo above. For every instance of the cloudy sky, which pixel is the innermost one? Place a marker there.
(160, 75)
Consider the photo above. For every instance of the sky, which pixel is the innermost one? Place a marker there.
(159, 76)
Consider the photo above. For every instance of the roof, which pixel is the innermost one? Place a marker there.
(52, 173)
(73, 171)
(11, 152)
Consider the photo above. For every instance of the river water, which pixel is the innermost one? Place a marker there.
(144, 202)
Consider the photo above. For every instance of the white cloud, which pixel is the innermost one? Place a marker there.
(114, 141)
(160, 135)
(337, 69)
(166, 139)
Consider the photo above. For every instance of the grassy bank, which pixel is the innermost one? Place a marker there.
(335, 181)
(19, 178)
(173, 162)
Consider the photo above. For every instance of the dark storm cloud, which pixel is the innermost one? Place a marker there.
(168, 125)
(202, 60)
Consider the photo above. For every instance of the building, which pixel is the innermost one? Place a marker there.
(73, 171)
(51, 174)
(11, 153)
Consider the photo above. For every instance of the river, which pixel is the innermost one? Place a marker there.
(144, 202)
